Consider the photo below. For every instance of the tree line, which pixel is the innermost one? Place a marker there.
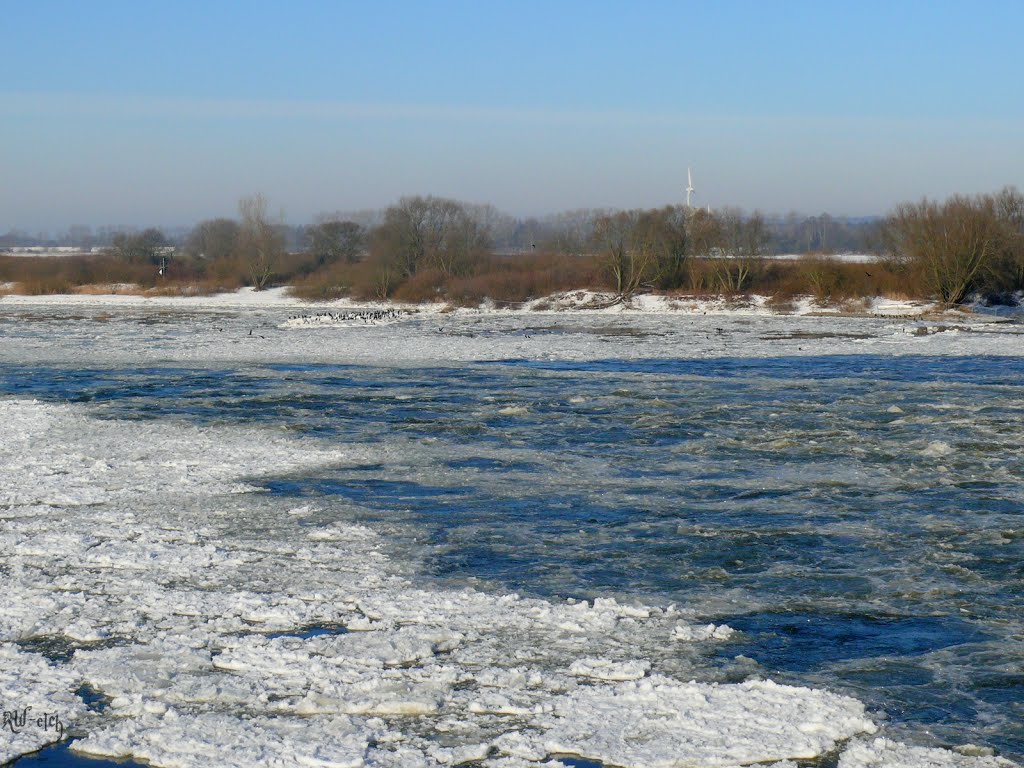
(567, 230)
(427, 247)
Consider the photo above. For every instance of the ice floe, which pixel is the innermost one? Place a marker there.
(687, 632)
(885, 753)
(141, 559)
(38, 701)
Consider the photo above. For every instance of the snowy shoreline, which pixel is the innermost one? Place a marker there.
(590, 301)
(269, 327)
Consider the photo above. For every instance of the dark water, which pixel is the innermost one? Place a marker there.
(859, 519)
(60, 756)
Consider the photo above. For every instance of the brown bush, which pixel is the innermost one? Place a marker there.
(194, 288)
(230, 273)
(39, 275)
(505, 280)
(337, 280)
(38, 286)
(517, 279)
(425, 286)
(102, 289)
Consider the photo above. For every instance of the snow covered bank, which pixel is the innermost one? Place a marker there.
(244, 298)
(592, 301)
(133, 329)
(223, 626)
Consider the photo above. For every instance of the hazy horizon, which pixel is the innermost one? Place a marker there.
(115, 113)
(173, 229)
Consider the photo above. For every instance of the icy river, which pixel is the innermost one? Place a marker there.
(644, 541)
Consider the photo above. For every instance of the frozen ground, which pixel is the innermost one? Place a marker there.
(168, 609)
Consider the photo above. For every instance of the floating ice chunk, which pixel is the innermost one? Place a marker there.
(513, 410)
(330, 533)
(365, 624)
(468, 753)
(658, 723)
(516, 677)
(38, 703)
(688, 633)
(605, 669)
(937, 448)
(496, 704)
(884, 753)
(83, 632)
(230, 742)
(613, 606)
(513, 762)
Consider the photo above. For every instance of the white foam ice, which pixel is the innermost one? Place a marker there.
(937, 449)
(47, 462)
(687, 632)
(603, 669)
(657, 722)
(228, 628)
(38, 701)
(885, 753)
(513, 410)
(210, 738)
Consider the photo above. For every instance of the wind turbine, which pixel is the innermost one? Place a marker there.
(689, 187)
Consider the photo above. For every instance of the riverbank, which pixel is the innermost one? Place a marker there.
(591, 301)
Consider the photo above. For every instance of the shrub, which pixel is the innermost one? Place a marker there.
(823, 276)
(336, 280)
(425, 286)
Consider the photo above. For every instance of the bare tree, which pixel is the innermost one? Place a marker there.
(431, 232)
(334, 240)
(260, 240)
(1008, 265)
(572, 231)
(742, 242)
(499, 228)
(213, 239)
(144, 247)
(661, 233)
(401, 240)
(705, 233)
(464, 243)
(952, 243)
(627, 256)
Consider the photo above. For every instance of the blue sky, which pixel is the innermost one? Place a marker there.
(166, 113)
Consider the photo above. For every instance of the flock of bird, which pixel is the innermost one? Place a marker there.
(367, 317)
